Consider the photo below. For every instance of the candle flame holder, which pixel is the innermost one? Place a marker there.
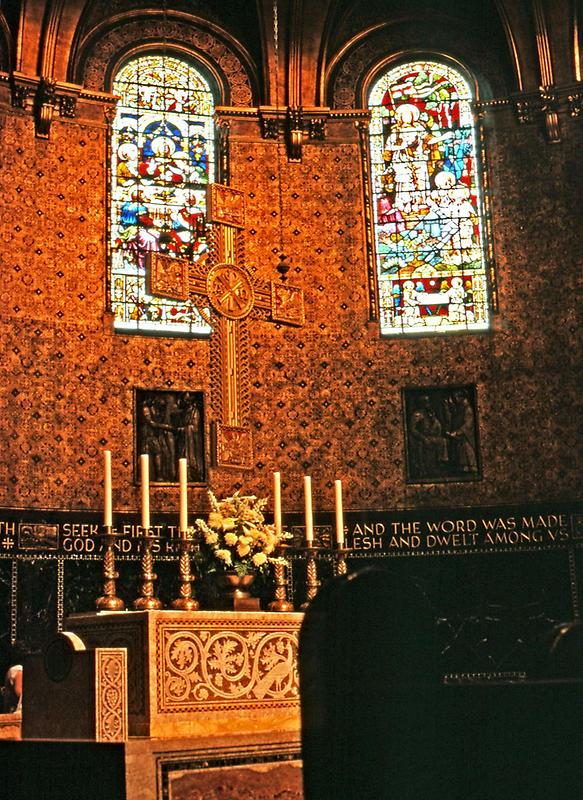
(280, 603)
(186, 602)
(312, 582)
(109, 601)
(146, 600)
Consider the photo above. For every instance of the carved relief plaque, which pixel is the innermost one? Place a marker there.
(216, 668)
(234, 446)
(287, 304)
(230, 291)
(226, 205)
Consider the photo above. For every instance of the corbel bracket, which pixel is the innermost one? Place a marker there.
(295, 125)
(42, 97)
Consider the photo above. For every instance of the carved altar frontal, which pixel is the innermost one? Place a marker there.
(203, 673)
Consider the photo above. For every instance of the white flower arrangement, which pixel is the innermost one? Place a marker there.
(236, 536)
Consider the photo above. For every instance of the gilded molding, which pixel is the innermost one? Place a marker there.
(6, 44)
(51, 28)
(295, 54)
(549, 103)
(313, 121)
(576, 32)
(543, 44)
(511, 40)
(373, 294)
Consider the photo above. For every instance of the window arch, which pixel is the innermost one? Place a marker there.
(429, 219)
(162, 158)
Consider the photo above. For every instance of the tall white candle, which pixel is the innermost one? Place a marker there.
(183, 483)
(107, 505)
(277, 503)
(339, 513)
(145, 476)
(308, 510)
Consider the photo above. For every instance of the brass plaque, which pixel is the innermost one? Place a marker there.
(287, 304)
(167, 276)
(234, 446)
(225, 206)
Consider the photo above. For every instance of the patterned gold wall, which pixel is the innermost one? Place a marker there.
(326, 398)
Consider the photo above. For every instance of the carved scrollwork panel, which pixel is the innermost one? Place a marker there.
(207, 669)
(111, 695)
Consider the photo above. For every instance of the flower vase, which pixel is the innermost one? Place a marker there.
(234, 594)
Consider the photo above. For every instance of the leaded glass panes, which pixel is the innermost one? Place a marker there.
(161, 162)
(428, 216)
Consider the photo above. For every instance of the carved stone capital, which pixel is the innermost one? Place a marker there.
(270, 121)
(317, 128)
(526, 110)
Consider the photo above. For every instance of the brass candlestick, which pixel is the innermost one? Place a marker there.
(109, 601)
(281, 603)
(341, 553)
(312, 582)
(186, 601)
(146, 601)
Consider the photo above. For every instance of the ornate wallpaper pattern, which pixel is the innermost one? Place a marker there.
(326, 398)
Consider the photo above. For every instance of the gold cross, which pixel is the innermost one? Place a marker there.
(235, 295)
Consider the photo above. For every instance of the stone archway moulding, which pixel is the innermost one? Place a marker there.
(97, 57)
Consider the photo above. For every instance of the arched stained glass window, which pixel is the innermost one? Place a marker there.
(428, 213)
(162, 159)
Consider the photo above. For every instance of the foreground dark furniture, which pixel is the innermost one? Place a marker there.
(379, 722)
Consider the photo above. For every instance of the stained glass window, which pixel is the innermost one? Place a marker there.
(162, 159)
(428, 218)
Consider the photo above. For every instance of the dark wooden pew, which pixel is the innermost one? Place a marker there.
(380, 722)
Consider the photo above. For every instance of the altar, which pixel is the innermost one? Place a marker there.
(204, 699)
(203, 673)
